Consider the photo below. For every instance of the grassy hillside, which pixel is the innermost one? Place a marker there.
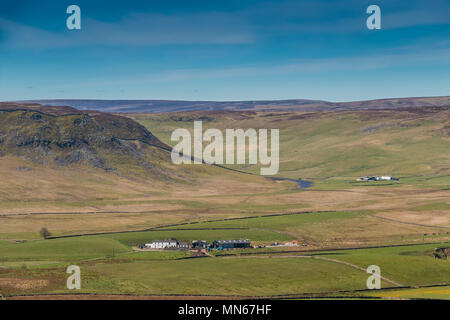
(331, 149)
(97, 177)
(88, 171)
(409, 143)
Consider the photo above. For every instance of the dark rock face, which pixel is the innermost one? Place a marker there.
(67, 136)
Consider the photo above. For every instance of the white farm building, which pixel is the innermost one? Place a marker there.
(162, 244)
(377, 178)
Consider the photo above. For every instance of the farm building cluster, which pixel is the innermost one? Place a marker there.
(197, 244)
(203, 245)
(377, 178)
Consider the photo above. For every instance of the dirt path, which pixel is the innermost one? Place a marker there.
(359, 268)
(314, 257)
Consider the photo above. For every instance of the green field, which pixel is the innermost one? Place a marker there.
(410, 265)
(216, 276)
(71, 249)
(280, 222)
(270, 274)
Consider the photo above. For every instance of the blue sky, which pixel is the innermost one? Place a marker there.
(224, 50)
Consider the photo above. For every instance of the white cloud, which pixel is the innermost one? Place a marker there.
(135, 29)
(252, 23)
(388, 59)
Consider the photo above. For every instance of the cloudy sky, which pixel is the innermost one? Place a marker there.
(224, 50)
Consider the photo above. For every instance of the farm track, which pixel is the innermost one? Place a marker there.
(319, 257)
(357, 267)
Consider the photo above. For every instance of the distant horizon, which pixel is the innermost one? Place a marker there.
(225, 101)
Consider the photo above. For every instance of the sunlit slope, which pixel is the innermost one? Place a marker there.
(407, 142)
(59, 157)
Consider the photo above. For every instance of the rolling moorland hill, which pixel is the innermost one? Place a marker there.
(64, 136)
(336, 144)
(324, 144)
(62, 154)
(303, 105)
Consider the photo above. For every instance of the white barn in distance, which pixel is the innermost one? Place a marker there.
(377, 178)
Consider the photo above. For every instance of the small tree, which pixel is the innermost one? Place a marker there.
(45, 233)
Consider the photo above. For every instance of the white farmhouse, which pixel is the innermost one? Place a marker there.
(162, 244)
